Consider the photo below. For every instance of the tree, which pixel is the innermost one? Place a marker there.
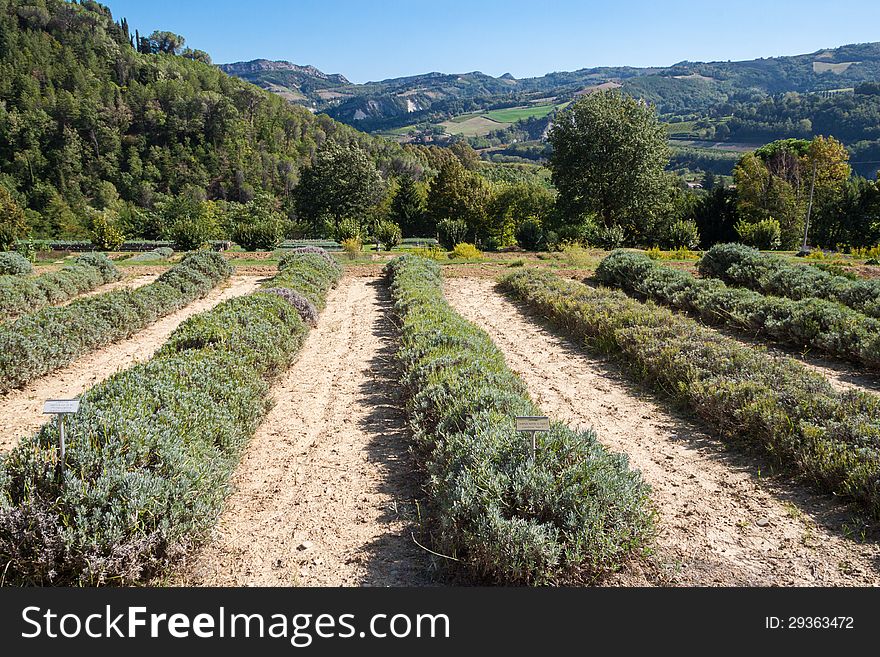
(408, 209)
(776, 182)
(166, 42)
(342, 183)
(13, 224)
(459, 195)
(708, 181)
(609, 155)
(258, 225)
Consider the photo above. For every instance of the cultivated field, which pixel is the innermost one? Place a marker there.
(345, 428)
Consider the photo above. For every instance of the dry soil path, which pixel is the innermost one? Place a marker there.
(720, 522)
(21, 410)
(324, 494)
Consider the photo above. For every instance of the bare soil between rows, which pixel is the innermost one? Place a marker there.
(721, 520)
(326, 492)
(21, 409)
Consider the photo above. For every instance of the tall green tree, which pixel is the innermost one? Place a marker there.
(408, 209)
(13, 224)
(609, 155)
(459, 195)
(343, 183)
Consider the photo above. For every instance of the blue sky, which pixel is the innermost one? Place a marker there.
(369, 40)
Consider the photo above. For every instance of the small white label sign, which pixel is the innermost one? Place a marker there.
(533, 424)
(61, 406)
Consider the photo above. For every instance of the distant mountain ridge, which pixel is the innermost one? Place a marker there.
(681, 88)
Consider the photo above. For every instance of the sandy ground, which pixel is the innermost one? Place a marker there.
(324, 494)
(721, 522)
(21, 410)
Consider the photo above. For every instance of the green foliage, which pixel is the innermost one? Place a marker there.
(408, 209)
(41, 342)
(13, 264)
(746, 267)
(609, 154)
(150, 453)
(189, 222)
(574, 513)
(13, 224)
(83, 111)
(465, 252)
(310, 274)
(19, 295)
(352, 246)
(343, 182)
(765, 234)
(748, 397)
(682, 234)
(460, 196)
(106, 235)
(259, 226)
(530, 235)
(451, 232)
(389, 234)
(813, 324)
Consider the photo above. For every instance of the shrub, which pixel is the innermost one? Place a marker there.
(570, 515)
(682, 234)
(106, 234)
(765, 234)
(20, 294)
(162, 253)
(348, 229)
(352, 247)
(306, 309)
(36, 344)
(605, 237)
(13, 264)
(431, 253)
(465, 251)
(310, 274)
(530, 235)
(262, 236)
(191, 232)
(810, 323)
(451, 232)
(747, 396)
(150, 452)
(293, 255)
(739, 265)
(389, 234)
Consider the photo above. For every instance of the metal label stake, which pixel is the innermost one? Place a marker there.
(533, 425)
(59, 408)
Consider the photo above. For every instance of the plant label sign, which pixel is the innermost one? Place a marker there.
(531, 424)
(61, 406)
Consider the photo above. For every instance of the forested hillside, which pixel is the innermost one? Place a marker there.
(89, 120)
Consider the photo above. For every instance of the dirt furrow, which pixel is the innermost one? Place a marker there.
(720, 521)
(21, 409)
(324, 493)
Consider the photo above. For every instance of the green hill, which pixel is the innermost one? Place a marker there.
(86, 118)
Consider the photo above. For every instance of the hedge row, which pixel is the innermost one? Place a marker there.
(36, 344)
(128, 245)
(822, 325)
(20, 294)
(747, 267)
(574, 513)
(775, 403)
(149, 454)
